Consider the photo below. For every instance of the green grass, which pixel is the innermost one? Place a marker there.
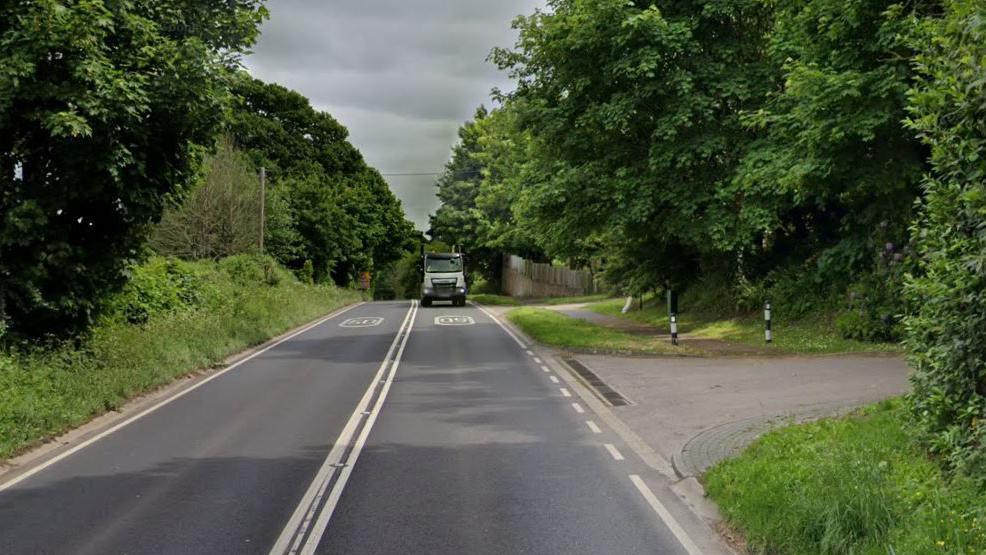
(552, 328)
(230, 307)
(814, 334)
(489, 299)
(572, 300)
(855, 485)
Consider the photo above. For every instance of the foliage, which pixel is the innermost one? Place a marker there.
(857, 485)
(946, 331)
(479, 192)
(192, 315)
(347, 218)
(220, 216)
(105, 108)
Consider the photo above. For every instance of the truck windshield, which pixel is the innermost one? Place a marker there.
(443, 265)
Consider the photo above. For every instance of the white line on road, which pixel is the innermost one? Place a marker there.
(663, 513)
(546, 369)
(592, 426)
(566, 392)
(304, 514)
(323, 519)
(529, 353)
(578, 408)
(537, 360)
(613, 452)
(502, 325)
(174, 397)
(553, 379)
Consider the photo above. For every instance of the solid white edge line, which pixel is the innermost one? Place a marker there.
(62, 456)
(578, 408)
(323, 518)
(613, 452)
(565, 392)
(502, 326)
(306, 506)
(592, 426)
(664, 515)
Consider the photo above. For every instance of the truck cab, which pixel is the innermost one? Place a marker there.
(444, 278)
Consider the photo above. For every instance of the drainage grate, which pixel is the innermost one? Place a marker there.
(607, 392)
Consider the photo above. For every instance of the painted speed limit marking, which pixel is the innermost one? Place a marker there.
(368, 322)
(454, 321)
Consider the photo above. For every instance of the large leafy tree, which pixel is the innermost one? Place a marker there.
(348, 218)
(947, 329)
(635, 109)
(834, 171)
(104, 111)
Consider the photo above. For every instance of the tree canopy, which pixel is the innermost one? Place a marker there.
(105, 110)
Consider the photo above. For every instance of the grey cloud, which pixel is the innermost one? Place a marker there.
(401, 75)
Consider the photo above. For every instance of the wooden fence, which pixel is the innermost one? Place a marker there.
(523, 278)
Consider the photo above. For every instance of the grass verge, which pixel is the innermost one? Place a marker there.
(174, 318)
(490, 299)
(814, 334)
(552, 328)
(854, 485)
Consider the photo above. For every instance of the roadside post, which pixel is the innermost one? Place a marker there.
(674, 329)
(768, 334)
(263, 207)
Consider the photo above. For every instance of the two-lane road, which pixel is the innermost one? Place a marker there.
(388, 428)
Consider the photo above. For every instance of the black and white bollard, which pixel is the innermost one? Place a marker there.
(674, 329)
(768, 335)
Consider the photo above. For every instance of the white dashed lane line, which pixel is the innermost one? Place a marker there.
(546, 369)
(613, 452)
(553, 379)
(566, 392)
(592, 426)
(529, 353)
(537, 360)
(578, 408)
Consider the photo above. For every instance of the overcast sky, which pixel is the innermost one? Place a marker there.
(401, 75)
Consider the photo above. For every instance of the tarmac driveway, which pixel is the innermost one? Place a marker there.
(696, 411)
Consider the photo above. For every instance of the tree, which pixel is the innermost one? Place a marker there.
(220, 216)
(105, 109)
(946, 332)
(634, 109)
(343, 210)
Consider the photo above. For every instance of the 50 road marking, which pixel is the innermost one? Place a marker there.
(307, 525)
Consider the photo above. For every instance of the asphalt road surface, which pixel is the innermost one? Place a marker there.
(389, 428)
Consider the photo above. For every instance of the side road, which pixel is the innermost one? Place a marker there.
(689, 413)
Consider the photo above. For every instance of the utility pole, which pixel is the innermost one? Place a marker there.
(263, 201)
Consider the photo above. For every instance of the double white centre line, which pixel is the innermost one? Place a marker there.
(310, 519)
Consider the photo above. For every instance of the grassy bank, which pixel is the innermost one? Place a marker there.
(552, 328)
(813, 334)
(497, 300)
(173, 318)
(851, 485)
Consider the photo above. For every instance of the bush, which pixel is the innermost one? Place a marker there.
(946, 333)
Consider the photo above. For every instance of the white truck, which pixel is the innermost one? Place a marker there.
(444, 278)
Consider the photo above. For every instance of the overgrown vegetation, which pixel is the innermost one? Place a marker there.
(172, 318)
(558, 330)
(105, 111)
(946, 331)
(856, 485)
(812, 333)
